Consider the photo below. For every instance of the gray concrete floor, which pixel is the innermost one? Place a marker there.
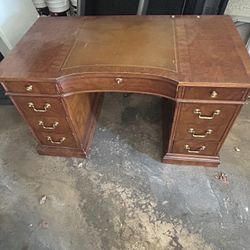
(122, 196)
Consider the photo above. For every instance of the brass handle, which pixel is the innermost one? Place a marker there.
(118, 80)
(213, 94)
(198, 112)
(196, 151)
(56, 142)
(53, 126)
(45, 107)
(192, 131)
(29, 88)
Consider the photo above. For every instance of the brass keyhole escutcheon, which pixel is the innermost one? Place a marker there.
(29, 88)
(118, 80)
(214, 94)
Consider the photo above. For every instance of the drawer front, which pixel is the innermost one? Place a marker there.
(58, 140)
(39, 106)
(204, 115)
(120, 83)
(193, 131)
(194, 147)
(50, 124)
(210, 93)
(31, 87)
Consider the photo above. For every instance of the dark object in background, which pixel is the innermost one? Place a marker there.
(110, 7)
(206, 7)
(64, 13)
(188, 7)
(43, 11)
(4, 100)
(163, 7)
(153, 7)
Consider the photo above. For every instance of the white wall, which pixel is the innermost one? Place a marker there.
(240, 9)
(16, 17)
(240, 12)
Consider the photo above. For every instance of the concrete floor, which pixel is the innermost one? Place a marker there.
(122, 197)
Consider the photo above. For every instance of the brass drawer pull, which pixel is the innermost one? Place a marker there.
(192, 132)
(213, 94)
(198, 112)
(53, 126)
(118, 80)
(56, 142)
(29, 88)
(45, 107)
(197, 151)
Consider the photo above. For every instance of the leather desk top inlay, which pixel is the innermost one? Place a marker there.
(114, 40)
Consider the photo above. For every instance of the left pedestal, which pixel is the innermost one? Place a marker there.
(63, 126)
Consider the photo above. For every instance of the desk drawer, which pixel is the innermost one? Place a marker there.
(204, 115)
(120, 83)
(31, 87)
(58, 140)
(50, 124)
(210, 93)
(192, 131)
(195, 147)
(39, 106)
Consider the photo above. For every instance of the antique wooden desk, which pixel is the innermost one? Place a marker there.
(58, 72)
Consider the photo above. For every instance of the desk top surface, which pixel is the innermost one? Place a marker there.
(186, 49)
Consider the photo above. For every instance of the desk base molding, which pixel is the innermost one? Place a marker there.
(61, 151)
(180, 159)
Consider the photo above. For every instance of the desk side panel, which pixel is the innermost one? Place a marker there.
(83, 110)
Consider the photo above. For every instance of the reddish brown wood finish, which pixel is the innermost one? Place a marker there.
(183, 131)
(183, 159)
(55, 138)
(188, 116)
(195, 145)
(185, 59)
(56, 125)
(61, 151)
(56, 108)
(129, 83)
(83, 110)
(31, 88)
(212, 93)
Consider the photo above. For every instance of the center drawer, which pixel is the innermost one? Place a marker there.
(119, 83)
